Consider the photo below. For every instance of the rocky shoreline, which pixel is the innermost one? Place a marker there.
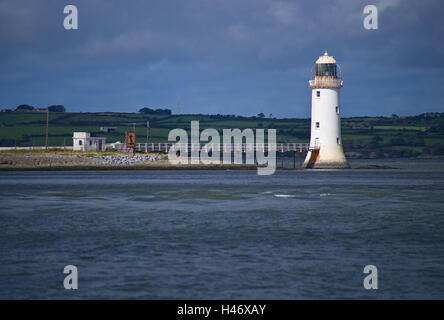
(65, 162)
(57, 162)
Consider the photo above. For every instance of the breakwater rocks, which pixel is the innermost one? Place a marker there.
(42, 161)
(60, 162)
(75, 160)
(128, 160)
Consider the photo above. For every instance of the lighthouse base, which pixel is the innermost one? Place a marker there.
(314, 161)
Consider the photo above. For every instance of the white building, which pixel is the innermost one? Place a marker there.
(82, 141)
(325, 139)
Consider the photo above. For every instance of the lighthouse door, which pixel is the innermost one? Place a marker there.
(317, 142)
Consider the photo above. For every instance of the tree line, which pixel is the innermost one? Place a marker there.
(52, 108)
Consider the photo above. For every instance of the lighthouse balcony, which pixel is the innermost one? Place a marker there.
(326, 83)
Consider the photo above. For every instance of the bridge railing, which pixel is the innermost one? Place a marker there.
(222, 147)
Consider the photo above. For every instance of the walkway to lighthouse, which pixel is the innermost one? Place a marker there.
(224, 147)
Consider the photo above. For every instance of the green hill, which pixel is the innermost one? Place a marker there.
(421, 135)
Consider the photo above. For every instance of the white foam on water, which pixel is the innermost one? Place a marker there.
(284, 195)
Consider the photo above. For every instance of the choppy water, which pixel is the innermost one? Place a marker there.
(224, 234)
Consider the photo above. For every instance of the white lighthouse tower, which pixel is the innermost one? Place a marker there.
(325, 140)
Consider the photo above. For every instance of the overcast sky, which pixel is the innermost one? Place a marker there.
(220, 56)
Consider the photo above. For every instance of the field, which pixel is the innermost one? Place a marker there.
(421, 135)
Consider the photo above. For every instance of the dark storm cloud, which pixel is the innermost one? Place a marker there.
(220, 56)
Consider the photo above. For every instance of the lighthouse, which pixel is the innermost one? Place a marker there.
(325, 150)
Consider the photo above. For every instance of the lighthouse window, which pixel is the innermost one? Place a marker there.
(337, 110)
(317, 125)
(338, 141)
(318, 93)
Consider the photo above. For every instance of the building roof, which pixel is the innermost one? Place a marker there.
(325, 59)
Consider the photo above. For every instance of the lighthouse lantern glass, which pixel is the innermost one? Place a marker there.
(326, 69)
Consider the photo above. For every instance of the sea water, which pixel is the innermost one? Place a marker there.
(302, 234)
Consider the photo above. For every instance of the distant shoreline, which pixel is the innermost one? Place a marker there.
(365, 137)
